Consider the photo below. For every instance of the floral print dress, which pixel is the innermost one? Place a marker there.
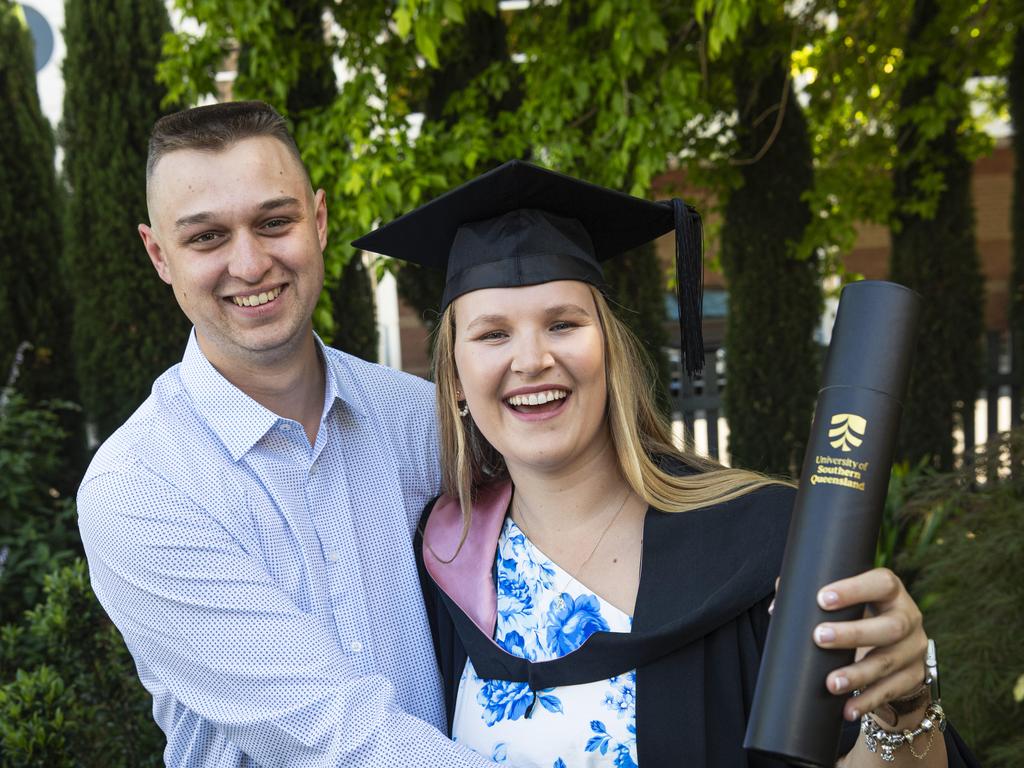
(543, 613)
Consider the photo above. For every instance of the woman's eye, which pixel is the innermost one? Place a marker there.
(562, 325)
(491, 336)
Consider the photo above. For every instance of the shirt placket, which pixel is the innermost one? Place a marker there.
(330, 503)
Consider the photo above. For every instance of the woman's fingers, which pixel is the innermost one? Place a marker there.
(890, 644)
(878, 586)
(885, 689)
(879, 664)
(884, 629)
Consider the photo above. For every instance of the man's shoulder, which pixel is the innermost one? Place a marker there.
(372, 382)
(161, 431)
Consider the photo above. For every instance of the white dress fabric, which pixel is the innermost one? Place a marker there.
(544, 613)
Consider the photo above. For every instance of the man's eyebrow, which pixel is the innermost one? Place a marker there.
(195, 218)
(204, 217)
(278, 202)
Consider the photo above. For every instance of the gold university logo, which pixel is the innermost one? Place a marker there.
(847, 431)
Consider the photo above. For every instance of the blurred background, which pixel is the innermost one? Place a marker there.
(824, 142)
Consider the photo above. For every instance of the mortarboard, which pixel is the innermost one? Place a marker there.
(520, 224)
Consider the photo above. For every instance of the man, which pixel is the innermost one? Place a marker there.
(249, 528)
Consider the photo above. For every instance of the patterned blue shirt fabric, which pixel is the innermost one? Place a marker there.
(267, 588)
(543, 614)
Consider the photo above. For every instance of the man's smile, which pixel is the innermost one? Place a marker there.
(255, 299)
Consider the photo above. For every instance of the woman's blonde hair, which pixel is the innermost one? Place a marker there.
(640, 434)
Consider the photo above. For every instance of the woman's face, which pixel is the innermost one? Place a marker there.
(530, 363)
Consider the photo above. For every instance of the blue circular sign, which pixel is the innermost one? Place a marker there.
(42, 34)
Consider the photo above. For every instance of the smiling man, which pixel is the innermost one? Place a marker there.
(249, 529)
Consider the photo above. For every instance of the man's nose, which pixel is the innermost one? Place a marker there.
(249, 259)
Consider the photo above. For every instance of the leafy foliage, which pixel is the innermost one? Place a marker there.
(127, 327)
(38, 530)
(69, 695)
(971, 584)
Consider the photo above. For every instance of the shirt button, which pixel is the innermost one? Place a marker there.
(356, 646)
(333, 557)
(286, 427)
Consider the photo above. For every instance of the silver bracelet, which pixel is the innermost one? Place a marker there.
(878, 739)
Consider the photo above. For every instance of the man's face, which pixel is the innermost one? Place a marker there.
(239, 236)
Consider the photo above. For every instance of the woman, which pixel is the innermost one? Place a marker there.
(597, 596)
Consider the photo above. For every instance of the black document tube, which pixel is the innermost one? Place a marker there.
(836, 518)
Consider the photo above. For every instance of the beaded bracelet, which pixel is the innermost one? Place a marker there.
(877, 738)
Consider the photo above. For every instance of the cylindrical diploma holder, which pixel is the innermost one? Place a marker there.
(836, 518)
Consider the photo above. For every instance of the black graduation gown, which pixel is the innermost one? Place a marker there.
(699, 626)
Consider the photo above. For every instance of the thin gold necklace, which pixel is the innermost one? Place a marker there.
(520, 507)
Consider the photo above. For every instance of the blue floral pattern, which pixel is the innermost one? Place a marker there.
(543, 613)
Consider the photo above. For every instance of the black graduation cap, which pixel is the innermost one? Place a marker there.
(520, 224)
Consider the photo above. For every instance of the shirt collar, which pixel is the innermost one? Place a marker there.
(238, 420)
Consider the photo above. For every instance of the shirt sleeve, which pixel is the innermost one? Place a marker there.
(202, 617)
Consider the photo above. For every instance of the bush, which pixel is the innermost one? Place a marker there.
(970, 582)
(37, 521)
(69, 694)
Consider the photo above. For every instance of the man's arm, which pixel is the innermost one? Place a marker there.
(202, 616)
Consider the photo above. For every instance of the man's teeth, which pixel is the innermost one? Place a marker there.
(537, 398)
(256, 299)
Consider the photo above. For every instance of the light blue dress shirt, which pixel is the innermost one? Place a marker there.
(265, 587)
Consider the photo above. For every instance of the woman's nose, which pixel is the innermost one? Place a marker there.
(532, 356)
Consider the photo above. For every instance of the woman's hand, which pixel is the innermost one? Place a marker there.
(890, 640)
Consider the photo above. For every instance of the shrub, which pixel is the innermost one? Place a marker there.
(37, 522)
(69, 693)
(970, 581)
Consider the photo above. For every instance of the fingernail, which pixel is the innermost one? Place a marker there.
(839, 684)
(771, 607)
(854, 714)
(825, 599)
(825, 634)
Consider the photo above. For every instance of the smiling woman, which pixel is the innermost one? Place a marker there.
(561, 478)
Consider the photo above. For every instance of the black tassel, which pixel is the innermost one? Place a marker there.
(690, 285)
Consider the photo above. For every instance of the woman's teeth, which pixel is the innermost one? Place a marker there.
(537, 398)
(256, 299)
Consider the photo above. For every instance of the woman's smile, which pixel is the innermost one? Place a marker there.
(537, 403)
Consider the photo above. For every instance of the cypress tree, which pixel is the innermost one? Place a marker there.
(355, 317)
(1016, 94)
(937, 256)
(128, 328)
(638, 289)
(774, 297)
(33, 304)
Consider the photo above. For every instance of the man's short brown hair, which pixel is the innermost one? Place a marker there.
(215, 127)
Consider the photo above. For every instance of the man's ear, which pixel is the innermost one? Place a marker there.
(156, 254)
(320, 211)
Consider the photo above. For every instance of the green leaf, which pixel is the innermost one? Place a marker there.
(403, 21)
(453, 11)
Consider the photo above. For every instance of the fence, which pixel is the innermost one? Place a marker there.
(697, 404)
